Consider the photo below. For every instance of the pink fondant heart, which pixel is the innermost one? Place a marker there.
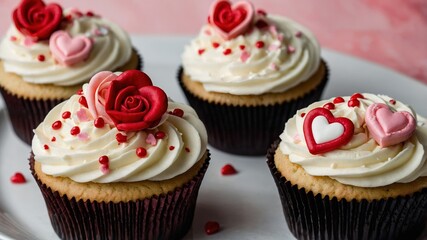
(387, 127)
(230, 21)
(68, 50)
(323, 132)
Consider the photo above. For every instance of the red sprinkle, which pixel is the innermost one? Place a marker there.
(201, 51)
(99, 122)
(259, 44)
(57, 125)
(338, 100)
(66, 115)
(46, 147)
(215, 44)
(103, 160)
(141, 152)
(261, 24)
(82, 101)
(13, 38)
(53, 139)
(227, 51)
(68, 18)
(18, 178)
(171, 148)
(392, 101)
(262, 12)
(302, 114)
(178, 112)
(357, 95)
(41, 57)
(90, 14)
(228, 169)
(298, 34)
(211, 227)
(353, 102)
(329, 106)
(160, 135)
(79, 92)
(242, 47)
(187, 149)
(75, 130)
(121, 138)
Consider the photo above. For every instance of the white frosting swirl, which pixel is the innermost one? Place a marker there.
(111, 49)
(291, 55)
(361, 162)
(77, 157)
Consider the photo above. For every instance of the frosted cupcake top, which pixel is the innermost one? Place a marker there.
(46, 45)
(243, 51)
(364, 140)
(119, 129)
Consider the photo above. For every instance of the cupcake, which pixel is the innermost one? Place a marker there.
(120, 161)
(353, 168)
(48, 53)
(247, 72)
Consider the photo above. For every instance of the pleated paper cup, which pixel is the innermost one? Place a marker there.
(311, 216)
(163, 216)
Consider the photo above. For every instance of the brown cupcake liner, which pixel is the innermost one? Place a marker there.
(26, 114)
(247, 130)
(167, 216)
(311, 216)
(140, 65)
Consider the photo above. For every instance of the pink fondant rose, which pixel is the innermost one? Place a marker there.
(36, 20)
(129, 101)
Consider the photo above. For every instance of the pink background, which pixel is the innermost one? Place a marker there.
(392, 32)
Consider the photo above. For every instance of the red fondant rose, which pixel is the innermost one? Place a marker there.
(133, 103)
(35, 19)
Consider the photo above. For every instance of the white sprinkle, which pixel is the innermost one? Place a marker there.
(333, 165)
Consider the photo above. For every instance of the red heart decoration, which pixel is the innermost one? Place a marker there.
(323, 132)
(230, 21)
(35, 19)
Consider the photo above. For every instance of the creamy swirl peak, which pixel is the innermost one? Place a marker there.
(46, 45)
(387, 143)
(119, 129)
(243, 51)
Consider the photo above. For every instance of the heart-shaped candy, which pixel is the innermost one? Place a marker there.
(231, 20)
(323, 132)
(68, 50)
(36, 20)
(387, 127)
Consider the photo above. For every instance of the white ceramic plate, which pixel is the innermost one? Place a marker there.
(247, 205)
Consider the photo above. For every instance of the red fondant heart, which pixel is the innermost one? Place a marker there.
(323, 132)
(231, 21)
(35, 19)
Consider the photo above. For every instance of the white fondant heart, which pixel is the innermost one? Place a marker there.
(323, 131)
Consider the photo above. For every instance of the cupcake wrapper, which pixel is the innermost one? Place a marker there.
(314, 217)
(140, 64)
(167, 216)
(26, 114)
(247, 130)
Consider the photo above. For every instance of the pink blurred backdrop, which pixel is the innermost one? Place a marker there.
(392, 33)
